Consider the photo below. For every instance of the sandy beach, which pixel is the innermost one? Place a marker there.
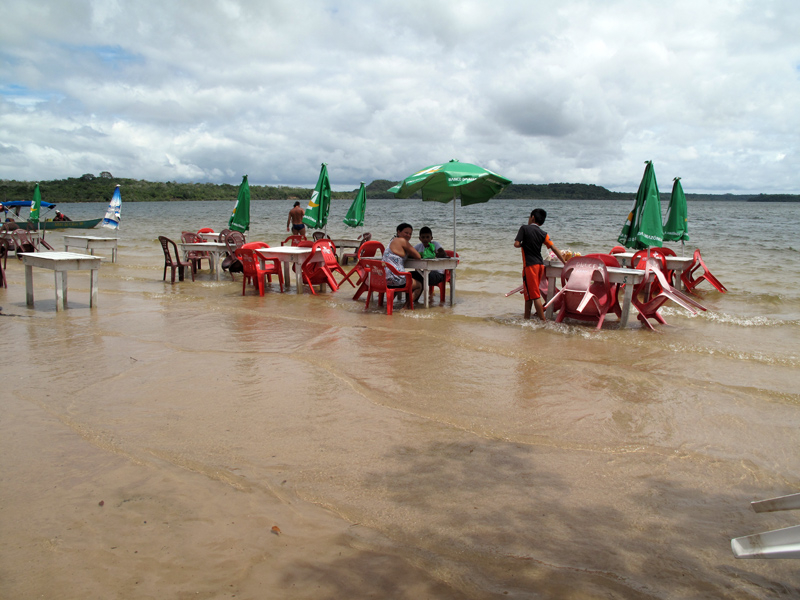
(184, 441)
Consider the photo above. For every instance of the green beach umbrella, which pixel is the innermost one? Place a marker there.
(316, 215)
(643, 228)
(240, 217)
(355, 216)
(448, 181)
(35, 205)
(676, 227)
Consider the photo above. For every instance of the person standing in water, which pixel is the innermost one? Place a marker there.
(295, 220)
(530, 238)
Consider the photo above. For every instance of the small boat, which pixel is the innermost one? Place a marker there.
(57, 223)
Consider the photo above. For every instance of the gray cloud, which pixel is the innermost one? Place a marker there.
(576, 91)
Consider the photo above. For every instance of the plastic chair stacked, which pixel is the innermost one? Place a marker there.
(691, 281)
(609, 260)
(368, 249)
(253, 271)
(584, 297)
(653, 292)
(172, 259)
(318, 272)
(376, 282)
(233, 240)
(346, 256)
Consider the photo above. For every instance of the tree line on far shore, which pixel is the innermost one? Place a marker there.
(89, 188)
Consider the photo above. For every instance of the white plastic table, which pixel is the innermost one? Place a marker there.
(289, 255)
(678, 264)
(90, 242)
(61, 263)
(426, 265)
(216, 249)
(619, 275)
(345, 243)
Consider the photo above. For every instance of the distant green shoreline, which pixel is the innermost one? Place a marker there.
(89, 188)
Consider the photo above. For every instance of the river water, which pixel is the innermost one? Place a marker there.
(291, 446)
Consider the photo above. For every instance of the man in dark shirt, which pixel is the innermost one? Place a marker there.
(530, 238)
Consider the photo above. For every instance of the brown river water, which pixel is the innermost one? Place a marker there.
(185, 441)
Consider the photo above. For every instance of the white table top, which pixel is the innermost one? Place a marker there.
(204, 245)
(91, 238)
(291, 250)
(431, 263)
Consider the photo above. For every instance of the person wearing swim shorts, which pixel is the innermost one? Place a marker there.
(530, 238)
(296, 220)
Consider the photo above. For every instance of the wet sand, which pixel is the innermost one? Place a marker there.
(431, 454)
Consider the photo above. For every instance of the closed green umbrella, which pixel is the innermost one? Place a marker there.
(676, 227)
(316, 215)
(355, 216)
(448, 181)
(643, 227)
(240, 217)
(35, 205)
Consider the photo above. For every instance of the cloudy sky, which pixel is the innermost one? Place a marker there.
(580, 91)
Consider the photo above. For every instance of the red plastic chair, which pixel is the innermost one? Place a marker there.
(294, 240)
(618, 250)
(611, 261)
(252, 269)
(660, 292)
(441, 285)
(317, 272)
(376, 282)
(205, 230)
(584, 298)
(368, 249)
(690, 281)
(196, 256)
(172, 259)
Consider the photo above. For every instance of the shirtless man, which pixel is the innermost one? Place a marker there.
(295, 220)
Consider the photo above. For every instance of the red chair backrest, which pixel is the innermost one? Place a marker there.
(294, 239)
(579, 272)
(608, 259)
(618, 250)
(640, 258)
(249, 262)
(377, 273)
(254, 245)
(205, 230)
(370, 248)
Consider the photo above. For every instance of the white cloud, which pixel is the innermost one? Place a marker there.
(540, 92)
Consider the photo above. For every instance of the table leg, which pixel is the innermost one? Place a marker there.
(551, 291)
(287, 278)
(93, 281)
(452, 286)
(425, 287)
(61, 289)
(114, 254)
(298, 276)
(626, 305)
(216, 264)
(29, 285)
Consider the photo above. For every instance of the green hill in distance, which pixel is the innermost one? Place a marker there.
(89, 188)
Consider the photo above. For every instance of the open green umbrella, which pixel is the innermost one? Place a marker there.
(448, 181)
(240, 217)
(676, 226)
(643, 227)
(316, 215)
(355, 216)
(35, 205)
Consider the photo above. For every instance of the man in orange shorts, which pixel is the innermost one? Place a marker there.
(530, 238)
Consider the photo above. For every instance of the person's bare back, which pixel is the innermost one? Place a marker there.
(295, 220)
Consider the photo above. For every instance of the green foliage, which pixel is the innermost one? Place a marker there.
(88, 188)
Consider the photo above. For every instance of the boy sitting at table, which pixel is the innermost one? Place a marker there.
(428, 248)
